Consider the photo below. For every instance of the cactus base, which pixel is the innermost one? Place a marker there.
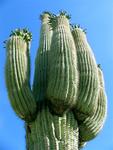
(51, 132)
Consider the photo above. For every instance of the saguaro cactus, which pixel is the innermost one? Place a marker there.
(66, 106)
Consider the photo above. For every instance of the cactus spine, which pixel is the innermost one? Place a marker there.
(67, 104)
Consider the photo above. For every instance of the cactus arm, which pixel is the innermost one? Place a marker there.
(41, 62)
(63, 77)
(88, 75)
(91, 126)
(17, 76)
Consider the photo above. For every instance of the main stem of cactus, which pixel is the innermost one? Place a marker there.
(51, 132)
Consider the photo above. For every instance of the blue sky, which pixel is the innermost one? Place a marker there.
(94, 15)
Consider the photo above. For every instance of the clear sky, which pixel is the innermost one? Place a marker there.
(94, 15)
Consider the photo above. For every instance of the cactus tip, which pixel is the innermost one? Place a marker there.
(77, 26)
(24, 33)
(45, 12)
(64, 13)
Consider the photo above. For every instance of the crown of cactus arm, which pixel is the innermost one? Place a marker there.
(74, 26)
(88, 87)
(54, 18)
(24, 33)
(64, 13)
(45, 13)
(41, 61)
(77, 26)
(63, 75)
(18, 74)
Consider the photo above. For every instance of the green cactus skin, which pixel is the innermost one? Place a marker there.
(17, 78)
(63, 76)
(88, 75)
(41, 63)
(67, 82)
(51, 132)
(91, 126)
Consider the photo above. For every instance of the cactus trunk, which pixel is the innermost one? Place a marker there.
(50, 132)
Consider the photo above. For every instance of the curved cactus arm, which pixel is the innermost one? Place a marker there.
(18, 74)
(88, 75)
(41, 62)
(63, 75)
(91, 126)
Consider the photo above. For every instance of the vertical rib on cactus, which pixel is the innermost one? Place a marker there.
(88, 75)
(41, 63)
(51, 132)
(17, 75)
(63, 76)
(91, 126)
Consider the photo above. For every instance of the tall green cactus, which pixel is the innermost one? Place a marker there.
(67, 105)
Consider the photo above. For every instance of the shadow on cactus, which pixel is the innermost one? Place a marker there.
(66, 105)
